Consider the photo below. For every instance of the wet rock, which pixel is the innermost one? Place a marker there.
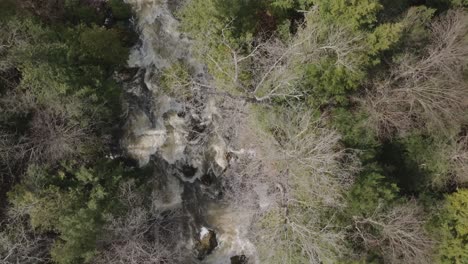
(173, 148)
(216, 155)
(206, 244)
(141, 140)
(109, 21)
(159, 129)
(240, 259)
(208, 179)
(126, 74)
(188, 171)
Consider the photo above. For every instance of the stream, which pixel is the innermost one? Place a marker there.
(182, 140)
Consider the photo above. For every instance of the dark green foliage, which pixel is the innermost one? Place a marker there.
(76, 12)
(242, 14)
(329, 82)
(72, 202)
(292, 4)
(393, 9)
(459, 3)
(60, 106)
(418, 163)
(372, 191)
(403, 168)
(416, 28)
(66, 73)
(355, 132)
(97, 46)
(432, 157)
(237, 18)
(357, 14)
(443, 5)
(120, 9)
(288, 12)
(7, 8)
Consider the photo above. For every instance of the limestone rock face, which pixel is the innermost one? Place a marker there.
(173, 148)
(165, 129)
(182, 138)
(153, 130)
(142, 139)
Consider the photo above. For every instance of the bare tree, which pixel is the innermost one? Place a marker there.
(13, 35)
(459, 158)
(31, 132)
(428, 91)
(318, 171)
(19, 243)
(275, 65)
(50, 137)
(292, 174)
(309, 151)
(398, 235)
(53, 137)
(144, 235)
(278, 65)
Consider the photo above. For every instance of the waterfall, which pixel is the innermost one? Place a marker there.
(159, 132)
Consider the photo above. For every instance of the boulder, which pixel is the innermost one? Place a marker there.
(206, 243)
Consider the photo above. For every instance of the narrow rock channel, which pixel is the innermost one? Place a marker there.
(182, 140)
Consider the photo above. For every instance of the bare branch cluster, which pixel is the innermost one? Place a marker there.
(297, 234)
(318, 170)
(143, 235)
(19, 243)
(47, 134)
(11, 37)
(459, 158)
(50, 138)
(290, 175)
(279, 63)
(398, 234)
(313, 154)
(427, 91)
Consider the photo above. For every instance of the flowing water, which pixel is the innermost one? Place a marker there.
(159, 132)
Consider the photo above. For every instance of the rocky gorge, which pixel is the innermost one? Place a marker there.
(183, 139)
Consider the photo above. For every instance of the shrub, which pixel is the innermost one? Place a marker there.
(291, 4)
(329, 82)
(357, 14)
(452, 229)
(355, 131)
(120, 9)
(99, 46)
(371, 191)
(73, 203)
